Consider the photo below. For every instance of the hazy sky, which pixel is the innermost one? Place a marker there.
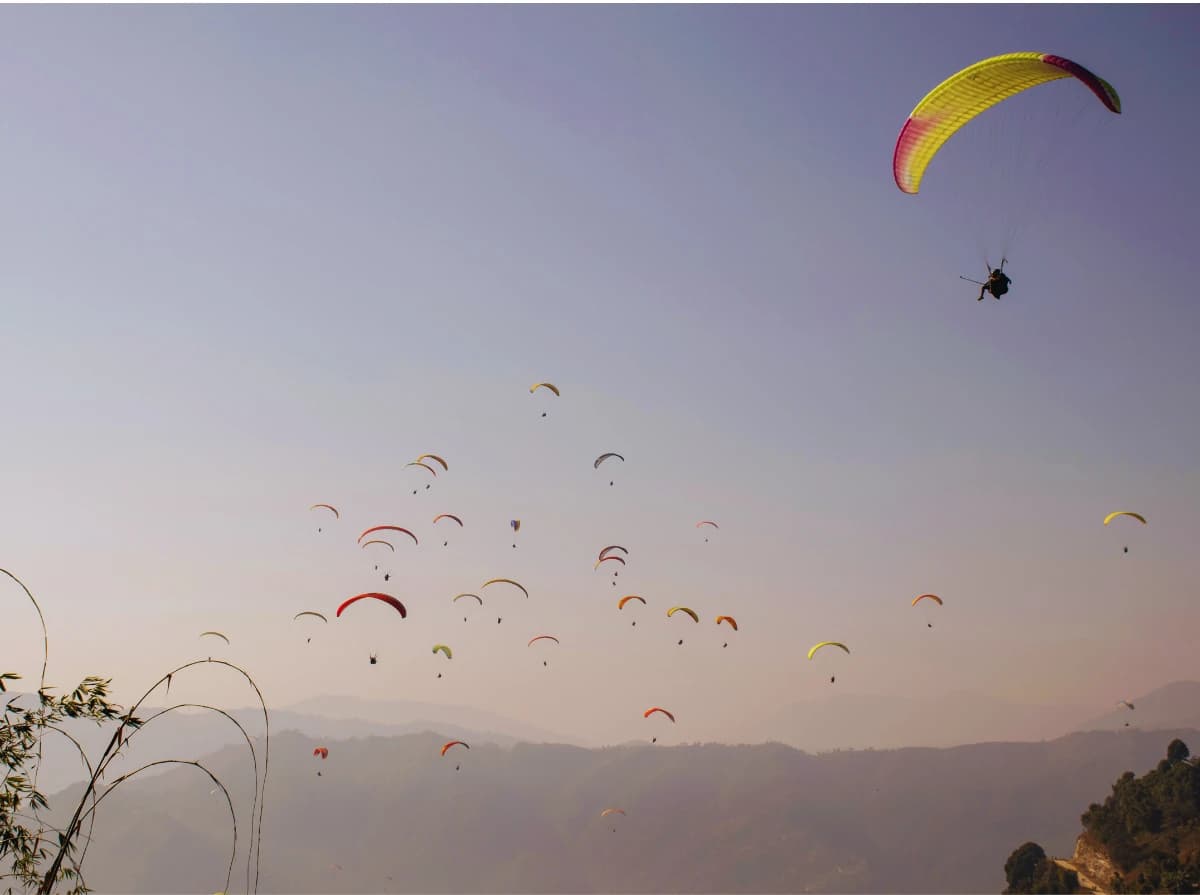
(255, 258)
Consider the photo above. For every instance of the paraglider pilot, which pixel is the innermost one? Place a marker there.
(997, 283)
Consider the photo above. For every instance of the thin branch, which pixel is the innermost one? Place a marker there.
(42, 620)
(165, 679)
(115, 745)
(195, 764)
(37, 769)
(245, 736)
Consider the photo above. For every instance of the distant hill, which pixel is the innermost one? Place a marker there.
(192, 733)
(858, 721)
(1173, 706)
(396, 817)
(406, 712)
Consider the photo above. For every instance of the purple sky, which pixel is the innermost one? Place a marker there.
(260, 257)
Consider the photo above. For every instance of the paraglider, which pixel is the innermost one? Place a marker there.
(445, 650)
(325, 506)
(386, 598)
(424, 466)
(729, 620)
(322, 753)
(310, 613)
(515, 584)
(603, 457)
(515, 525)
(549, 386)
(1138, 516)
(812, 652)
(447, 516)
(709, 522)
(650, 711)
(1128, 705)
(933, 597)
(216, 634)
(458, 597)
(607, 811)
(446, 747)
(686, 611)
(387, 544)
(542, 637)
(972, 91)
(445, 465)
(621, 604)
(375, 528)
(997, 282)
(611, 547)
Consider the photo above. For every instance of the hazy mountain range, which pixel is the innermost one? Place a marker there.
(841, 721)
(390, 814)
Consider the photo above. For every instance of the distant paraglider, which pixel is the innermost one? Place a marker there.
(515, 584)
(812, 652)
(549, 386)
(445, 466)
(385, 598)
(1126, 704)
(396, 528)
(652, 710)
(447, 516)
(686, 611)
(325, 506)
(1138, 516)
(309, 612)
(596, 463)
(933, 597)
(709, 522)
(458, 597)
(445, 650)
(621, 604)
(447, 747)
(729, 620)
(607, 811)
(542, 637)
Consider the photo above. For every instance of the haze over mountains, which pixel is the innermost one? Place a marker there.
(844, 720)
(390, 814)
(394, 816)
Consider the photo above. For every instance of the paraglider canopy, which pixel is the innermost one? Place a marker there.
(386, 598)
(972, 91)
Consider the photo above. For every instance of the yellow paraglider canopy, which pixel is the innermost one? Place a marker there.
(972, 91)
(1111, 516)
(813, 651)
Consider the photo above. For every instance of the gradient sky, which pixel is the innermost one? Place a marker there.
(256, 258)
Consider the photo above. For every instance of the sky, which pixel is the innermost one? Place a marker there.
(256, 258)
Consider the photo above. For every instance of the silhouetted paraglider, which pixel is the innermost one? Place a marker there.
(374, 659)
